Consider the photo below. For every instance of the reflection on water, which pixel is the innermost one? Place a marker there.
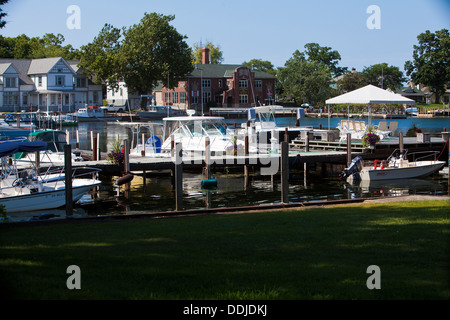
(155, 194)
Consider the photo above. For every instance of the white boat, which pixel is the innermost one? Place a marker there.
(264, 123)
(92, 113)
(145, 138)
(26, 190)
(159, 112)
(192, 132)
(397, 166)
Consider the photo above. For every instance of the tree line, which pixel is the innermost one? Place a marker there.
(153, 52)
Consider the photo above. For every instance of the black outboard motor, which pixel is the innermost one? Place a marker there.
(354, 167)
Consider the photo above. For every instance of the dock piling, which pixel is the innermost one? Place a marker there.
(68, 179)
(284, 172)
(178, 178)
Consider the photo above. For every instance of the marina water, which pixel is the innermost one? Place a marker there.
(155, 193)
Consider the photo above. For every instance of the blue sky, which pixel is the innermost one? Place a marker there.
(246, 29)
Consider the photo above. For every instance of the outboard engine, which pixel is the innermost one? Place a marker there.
(354, 167)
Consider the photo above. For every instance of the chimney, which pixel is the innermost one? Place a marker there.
(205, 55)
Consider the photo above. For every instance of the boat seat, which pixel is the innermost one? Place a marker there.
(382, 126)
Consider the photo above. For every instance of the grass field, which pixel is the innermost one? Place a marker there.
(308, 254)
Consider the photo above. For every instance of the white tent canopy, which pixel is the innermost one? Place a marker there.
(370, 95)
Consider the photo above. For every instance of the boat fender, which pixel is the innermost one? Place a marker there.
(125, 179)
(383, 164)
(375, 165)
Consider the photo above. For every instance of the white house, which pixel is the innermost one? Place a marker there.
(52, 84)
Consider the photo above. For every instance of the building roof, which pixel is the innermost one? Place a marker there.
(43, 66)
(224, 71)
(21, 66)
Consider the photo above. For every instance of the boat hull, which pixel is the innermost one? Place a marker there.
(44, 200)
(419, 170)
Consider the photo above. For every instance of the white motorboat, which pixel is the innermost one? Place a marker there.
(159, 112)
(145, 138)
(192, 132)
(91, 113)
(397, 166)
(26, 190)
(264, 123)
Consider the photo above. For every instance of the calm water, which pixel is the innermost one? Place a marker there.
(156, 192)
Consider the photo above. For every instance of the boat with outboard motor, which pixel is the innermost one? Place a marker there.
(30, 188)
(396, 166)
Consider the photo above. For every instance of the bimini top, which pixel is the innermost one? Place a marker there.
(9, 148)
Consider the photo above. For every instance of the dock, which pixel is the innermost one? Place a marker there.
(318, 157)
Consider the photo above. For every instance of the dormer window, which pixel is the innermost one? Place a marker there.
(10, 82)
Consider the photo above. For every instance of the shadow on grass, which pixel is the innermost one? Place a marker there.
(318, 253)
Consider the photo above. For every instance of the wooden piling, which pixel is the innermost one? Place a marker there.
(68, 179)
(349, 149)
(126, 156)
(143, 145)
(284, 172)
(99, 151)
(94, 148)
(400, 141)
(78, 140)
(207, 158)
(178, 178)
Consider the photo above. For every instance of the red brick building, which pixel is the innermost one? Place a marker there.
(220, 85)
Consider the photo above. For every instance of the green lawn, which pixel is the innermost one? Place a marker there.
(314, 253)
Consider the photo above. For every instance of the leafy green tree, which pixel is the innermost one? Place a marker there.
(153, 51)
(305, 81)
(215, 54)
(100, 58)
(384, 76)
(431, 61)
(351, 81)
(330, 58)
(261, 65)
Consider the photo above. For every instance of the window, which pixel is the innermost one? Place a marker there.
(10, 82)
(206, 97)
(52, 99)
(206, 83)
(81, 82)
(25, 99)
(40, 81)
(258, 83)
(121, 92)
(59, 81)
(10, 98)
(167, 96)
(243, 99)
(175, 97)
(220, 83)
(182, 97)
(243, 84)
(95, 97)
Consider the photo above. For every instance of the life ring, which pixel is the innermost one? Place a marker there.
(155, 142)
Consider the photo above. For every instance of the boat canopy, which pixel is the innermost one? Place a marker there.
(9, 148)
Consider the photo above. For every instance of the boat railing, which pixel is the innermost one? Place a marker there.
(424, 155)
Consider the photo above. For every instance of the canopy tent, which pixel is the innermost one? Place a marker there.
(370, 95)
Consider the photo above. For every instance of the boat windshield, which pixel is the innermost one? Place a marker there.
(196, 128)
